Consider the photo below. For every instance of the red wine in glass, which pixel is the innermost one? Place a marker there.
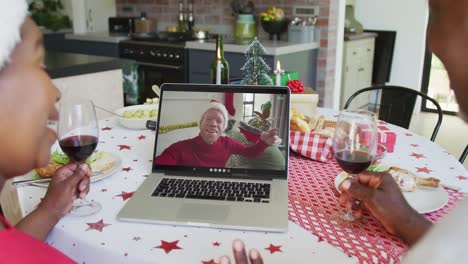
(353, 162)
(79, 148)
(78, 133)
(354, 145)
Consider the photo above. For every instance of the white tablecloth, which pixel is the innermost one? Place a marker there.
(101, 238)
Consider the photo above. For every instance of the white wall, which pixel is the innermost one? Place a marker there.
(409, 19)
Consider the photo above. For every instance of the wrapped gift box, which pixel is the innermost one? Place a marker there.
(387, 138)
(293, 75)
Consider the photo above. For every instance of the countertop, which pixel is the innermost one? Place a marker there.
(98, 37)
(63, 64)
(272, 47)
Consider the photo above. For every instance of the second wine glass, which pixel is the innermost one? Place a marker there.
(78, 134)
(355, 144)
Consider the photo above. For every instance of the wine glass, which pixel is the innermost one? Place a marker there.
(355, 145)
(78, 134)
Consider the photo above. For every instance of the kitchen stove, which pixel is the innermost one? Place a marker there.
(161, 59)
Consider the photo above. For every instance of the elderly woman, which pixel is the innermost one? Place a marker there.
(27, 103)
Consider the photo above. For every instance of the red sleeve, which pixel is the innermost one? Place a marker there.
(170, 156)
(250, 151)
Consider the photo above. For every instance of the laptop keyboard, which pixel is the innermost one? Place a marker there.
(214, 190)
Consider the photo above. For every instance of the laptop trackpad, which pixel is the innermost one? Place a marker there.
(203, 212)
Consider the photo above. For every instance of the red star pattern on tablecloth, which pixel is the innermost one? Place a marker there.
(106, 128)
(137, 238)
(424, 169)
(417, 155)
(141, 137)
(272, 248)
(168, 246)
(122, 147)
(414, 145)
(99, 225)
(211, 261)
(125, 195)
(135, 160)
(408, 134)
(216, 244)
(462, 178)
(103, 190)
(127, 169)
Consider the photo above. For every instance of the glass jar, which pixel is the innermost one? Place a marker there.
(245, 29)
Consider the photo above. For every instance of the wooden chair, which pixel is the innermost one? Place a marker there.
(394, 104)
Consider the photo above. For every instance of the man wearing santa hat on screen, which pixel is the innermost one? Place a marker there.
(210, 148)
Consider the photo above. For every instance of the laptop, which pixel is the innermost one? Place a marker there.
(197, 182)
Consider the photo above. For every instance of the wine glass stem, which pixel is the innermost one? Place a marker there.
(355, 204)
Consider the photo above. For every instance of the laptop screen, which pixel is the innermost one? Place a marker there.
(223, 130)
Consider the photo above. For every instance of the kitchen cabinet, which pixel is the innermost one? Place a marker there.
(59, 43)
(304, 62)
(358, 57)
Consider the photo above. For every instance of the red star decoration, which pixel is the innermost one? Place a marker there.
(136, 238)
(127, 169)
(125, 195)
(272, 248)
(135, 160)
(126, 254)
(417, 155)
(211, 261)
(106, 128)
(414, 145)
(103, 190)
(462, 178)
(424, 169)
(168, 246)
(216, 244)
(145, 175)
(141, 137)
(320, 239)
(121, 147)
(408, 134)
(99, 225)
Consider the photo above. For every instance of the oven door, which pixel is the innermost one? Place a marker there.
(156, 74)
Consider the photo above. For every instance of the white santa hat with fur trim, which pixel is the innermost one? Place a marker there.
(12, 16)
(220, 107)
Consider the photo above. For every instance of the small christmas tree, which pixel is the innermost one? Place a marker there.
(255, 68)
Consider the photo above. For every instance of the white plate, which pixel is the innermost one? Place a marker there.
(423, 200)
(115, 167)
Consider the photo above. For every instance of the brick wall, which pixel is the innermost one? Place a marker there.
(217, 13)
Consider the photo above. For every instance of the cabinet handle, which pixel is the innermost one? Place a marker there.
(369, 50)
(354, 53)
(360, 69)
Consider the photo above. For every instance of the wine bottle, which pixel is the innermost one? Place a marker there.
(191, 21)
(219, 66)
(181, 20)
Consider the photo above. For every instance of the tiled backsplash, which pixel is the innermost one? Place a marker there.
(217, 15)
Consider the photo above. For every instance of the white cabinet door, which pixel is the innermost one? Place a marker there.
(92, 15)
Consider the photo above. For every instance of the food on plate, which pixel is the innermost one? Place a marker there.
(151, 101)
(409, 181)
(49, 170)
(140, 113)
(99, 162)
(318, 125)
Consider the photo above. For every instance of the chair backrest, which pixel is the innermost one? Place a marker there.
(396, 104)
(463, 155)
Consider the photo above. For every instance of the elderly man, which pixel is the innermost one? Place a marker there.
(210, 148)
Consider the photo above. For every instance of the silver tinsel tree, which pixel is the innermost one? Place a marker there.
(255, 69)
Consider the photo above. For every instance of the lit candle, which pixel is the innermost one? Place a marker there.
(218, 72)
(278, 73)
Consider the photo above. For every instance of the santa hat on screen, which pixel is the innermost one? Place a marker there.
(220, 107)
(12, 15)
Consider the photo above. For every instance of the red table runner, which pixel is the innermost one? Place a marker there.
(313, 200)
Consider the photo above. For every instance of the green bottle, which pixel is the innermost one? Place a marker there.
(219, 66)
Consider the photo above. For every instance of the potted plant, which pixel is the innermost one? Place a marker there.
(49, 14)
(274, 22)
(245, 29)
